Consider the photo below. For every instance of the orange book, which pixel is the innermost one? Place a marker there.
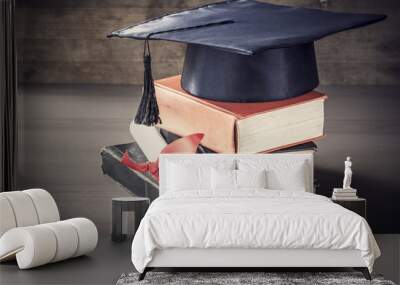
(240, 127)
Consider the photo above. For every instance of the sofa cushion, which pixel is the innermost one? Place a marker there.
(41, 244)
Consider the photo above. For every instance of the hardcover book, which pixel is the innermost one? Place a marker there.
(308, 147)
(138, 183)
(240, 127)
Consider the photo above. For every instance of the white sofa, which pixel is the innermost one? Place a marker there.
(31, 231)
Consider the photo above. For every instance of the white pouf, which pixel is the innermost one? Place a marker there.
(31, 232)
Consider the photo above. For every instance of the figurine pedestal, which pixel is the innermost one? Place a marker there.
(343, 190)
(344, 194)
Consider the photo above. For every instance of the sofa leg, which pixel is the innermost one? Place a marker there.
(364, 271)
(143, 274)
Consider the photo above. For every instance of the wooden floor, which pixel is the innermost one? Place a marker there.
(111, 259)
(103, 266)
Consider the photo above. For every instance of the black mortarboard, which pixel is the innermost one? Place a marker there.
(242, 51)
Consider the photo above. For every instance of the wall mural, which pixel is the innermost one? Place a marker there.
(219, 95)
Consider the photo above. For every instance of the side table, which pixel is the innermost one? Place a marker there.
(357, 205)
(120, 207)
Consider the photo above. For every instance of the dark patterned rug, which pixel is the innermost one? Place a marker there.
(243, 278)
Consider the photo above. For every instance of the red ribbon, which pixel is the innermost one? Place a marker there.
(186, 144)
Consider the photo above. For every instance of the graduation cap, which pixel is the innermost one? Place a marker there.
(241, 51)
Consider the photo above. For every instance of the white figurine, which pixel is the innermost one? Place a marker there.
(348, 173)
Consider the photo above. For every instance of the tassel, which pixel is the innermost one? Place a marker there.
(148, 113)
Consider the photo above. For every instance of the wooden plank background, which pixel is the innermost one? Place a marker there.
(65, 42)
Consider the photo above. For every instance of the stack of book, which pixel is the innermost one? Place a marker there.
(290, 125)
(344, 194)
